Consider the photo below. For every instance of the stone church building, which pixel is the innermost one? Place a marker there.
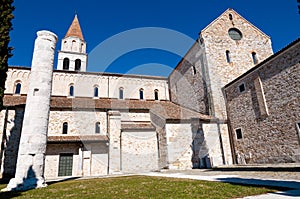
(230, 100)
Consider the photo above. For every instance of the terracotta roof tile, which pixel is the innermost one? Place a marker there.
(80, 138)
(165, 109)
(75, 29)
(137, 125)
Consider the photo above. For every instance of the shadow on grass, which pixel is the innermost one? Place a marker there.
(286, 188)
(4, 195)
(61, 180)
(12, 194)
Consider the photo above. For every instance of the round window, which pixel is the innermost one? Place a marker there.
(235, 34)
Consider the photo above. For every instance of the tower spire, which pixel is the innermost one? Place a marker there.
(75, 30)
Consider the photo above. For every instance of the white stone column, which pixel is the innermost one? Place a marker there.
(114, 130)
(32, 149)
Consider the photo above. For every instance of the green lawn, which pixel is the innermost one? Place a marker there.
(138, 187)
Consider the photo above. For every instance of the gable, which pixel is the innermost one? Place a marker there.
(231, 19)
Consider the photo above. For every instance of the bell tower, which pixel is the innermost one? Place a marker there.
(73, 56)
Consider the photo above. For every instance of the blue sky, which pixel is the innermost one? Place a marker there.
(102, 19)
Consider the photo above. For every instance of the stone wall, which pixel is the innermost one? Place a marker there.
(135, 116)
(217, 41)
(79, 122)
(84, 84)
(52, 159)
(179, 141)
(88, 160)
(15, 76)
(269, 134)
(139, 151)
(212, 139)
(160, 126)
(188, 83)
(198, 79)
(99, 159)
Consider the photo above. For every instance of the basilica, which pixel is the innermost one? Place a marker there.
(230, 100)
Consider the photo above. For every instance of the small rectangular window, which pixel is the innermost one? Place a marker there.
(97, 127)
(156, 94)
(239, 134)
(141, 94)
(242, 87)
(298, 129)
(254, 58)
(228, 56)
(121, 93)
(194, 70)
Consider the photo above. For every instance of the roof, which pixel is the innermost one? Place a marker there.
(75, 30)
(165, 109)
(263, 62)
(137, 126)
(76, 138)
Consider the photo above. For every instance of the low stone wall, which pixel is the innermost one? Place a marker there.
(139, 152)
(179, 141)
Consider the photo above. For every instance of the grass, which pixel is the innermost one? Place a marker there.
(139, 187)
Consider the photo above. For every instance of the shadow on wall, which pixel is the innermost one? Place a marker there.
(10, 144)
(29, 180)
(200, 156)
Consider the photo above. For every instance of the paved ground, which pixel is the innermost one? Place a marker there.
(290, 180)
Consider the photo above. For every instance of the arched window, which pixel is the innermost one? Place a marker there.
(97, 127)
(77, 64)
(141, 94)
(96, 92)
(66, 64)
(71, 90)
(254, 58)
(81, 48)
(230, 17)
(65, 128)
(121, 93)
(156, 94)
(235, 34)
(73, 48)
(18, 88)
(228, 56)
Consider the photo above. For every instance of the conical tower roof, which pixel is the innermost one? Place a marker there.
(75, 30)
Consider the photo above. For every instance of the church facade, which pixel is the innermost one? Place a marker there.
(103, 123)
